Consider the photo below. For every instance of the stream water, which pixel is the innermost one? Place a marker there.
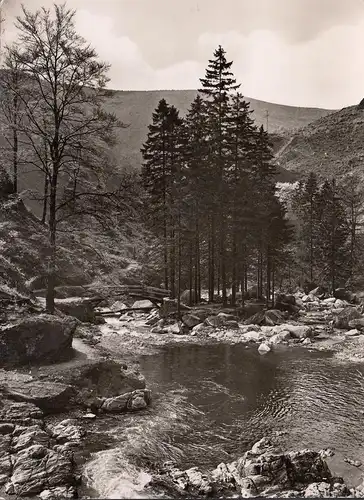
(211, 403)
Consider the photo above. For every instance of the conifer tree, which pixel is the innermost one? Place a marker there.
(218, 84)
(162, 156)
(305, 206)
(332, 233)
(352, 195)
(198, 188)
(241, 141)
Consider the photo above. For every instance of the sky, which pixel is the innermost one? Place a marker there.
(294, 52)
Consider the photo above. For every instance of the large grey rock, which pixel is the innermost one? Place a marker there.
(29, 437)
(343, 319)
(36, 339)
(299, 331)
(263, 471)
(105, 378)
(191, 320)
(80, 308)
(47, 395)
(131, 401)
(357, 323)
(19, 412)
(67, 431)
(37, 468)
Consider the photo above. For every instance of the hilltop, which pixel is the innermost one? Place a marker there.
(135, 108)
(331, 146)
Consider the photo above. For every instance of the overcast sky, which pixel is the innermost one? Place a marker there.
(297, 52)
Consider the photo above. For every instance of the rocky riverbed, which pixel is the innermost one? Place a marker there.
(48, 409)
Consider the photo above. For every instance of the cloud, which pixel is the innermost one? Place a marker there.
(277, 56)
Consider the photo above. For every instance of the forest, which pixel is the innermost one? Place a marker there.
(218, 220)
(204, 212)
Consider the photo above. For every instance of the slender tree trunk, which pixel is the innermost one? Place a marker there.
(212, 260)
(190, 272)
(45, 198)
(268, 279)
(234, 266)
(172, 262)
(15, 147)
(51, 281)
(273, 283)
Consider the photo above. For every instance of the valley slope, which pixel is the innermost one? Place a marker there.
(331, 146)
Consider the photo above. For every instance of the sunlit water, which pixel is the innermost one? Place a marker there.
(213, 402)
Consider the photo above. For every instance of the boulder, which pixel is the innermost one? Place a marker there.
(175, 329)
(19, 413)
(80, 308)
(253, 336)
(299, 331)
(263, 471)
(318, 292)
(273, 317)
(47, 395)
(215, 321)
(326, 490)
(343, 319)
(264, 348)
(352, 333)
(279, 338)
(105, 378)
(343, 294)
(67, 431)
(191, 320)
(37, 468)
(251, 309)
(36, 339)
(286, 303)
(58, 493)
(131, 401)
(339, 304)
(357, 323)
(142, 304)
(29, 437)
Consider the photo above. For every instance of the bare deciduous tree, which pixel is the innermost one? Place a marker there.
(62, 93)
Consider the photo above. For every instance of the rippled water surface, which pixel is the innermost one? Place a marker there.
(211, 403)
(315, 400)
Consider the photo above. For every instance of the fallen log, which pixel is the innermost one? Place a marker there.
(122, 311)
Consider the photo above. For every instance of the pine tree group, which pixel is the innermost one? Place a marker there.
(210, 193)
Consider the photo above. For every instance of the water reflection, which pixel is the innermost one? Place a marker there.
(315, 401)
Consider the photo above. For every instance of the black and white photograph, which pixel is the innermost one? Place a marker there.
(181, 249)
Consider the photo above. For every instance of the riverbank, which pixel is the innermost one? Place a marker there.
(130, 336)
(109, 438)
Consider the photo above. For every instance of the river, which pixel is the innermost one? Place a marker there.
(211, 403)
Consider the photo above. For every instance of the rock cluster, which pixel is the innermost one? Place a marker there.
(264, 471)
(36, 338)
(300, 318)
(36, 459)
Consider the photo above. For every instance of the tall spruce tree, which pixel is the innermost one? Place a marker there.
(218, 84)
(198, 189)
(161, 154)
(241, 141)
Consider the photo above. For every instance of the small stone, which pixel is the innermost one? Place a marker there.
(354, 463)
(89, 416)
(264, 348)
